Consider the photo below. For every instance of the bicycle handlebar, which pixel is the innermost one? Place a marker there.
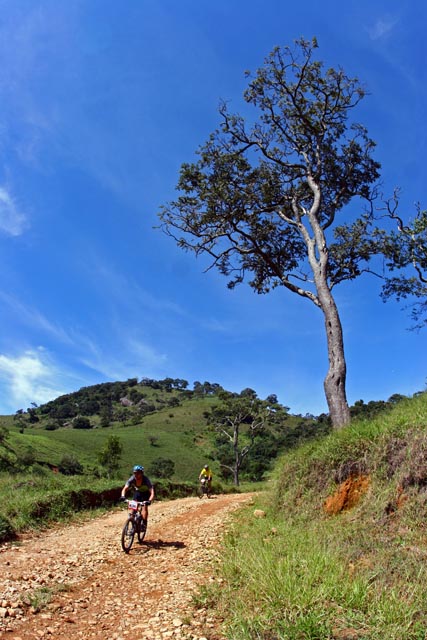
(145, 503)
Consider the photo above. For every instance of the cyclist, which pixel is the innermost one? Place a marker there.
(142, 489)
(205, 476)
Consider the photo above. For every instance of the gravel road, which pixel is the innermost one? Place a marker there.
(75, 582)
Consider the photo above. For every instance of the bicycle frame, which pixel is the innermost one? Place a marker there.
(134, 524)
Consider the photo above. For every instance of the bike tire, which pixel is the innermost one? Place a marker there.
(142, 530)
(128, 534)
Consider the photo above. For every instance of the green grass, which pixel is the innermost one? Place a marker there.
(33, 501)
(300, 574)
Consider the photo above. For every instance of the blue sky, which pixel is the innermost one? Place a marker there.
(100, 104)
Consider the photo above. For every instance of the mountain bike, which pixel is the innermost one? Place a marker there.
(204, 488)
(134, 525)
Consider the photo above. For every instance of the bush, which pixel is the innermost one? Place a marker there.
(6, 530)
(82, 423)
(162, 468)
(51, 426)
(70, 466)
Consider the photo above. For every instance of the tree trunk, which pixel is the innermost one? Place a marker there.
(334, 383)
(236, 462)
(335, 380)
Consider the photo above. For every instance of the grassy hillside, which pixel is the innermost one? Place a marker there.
(179, 435)
(341, 552)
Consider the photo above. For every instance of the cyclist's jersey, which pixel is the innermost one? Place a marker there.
(205, 473)
(141, 492)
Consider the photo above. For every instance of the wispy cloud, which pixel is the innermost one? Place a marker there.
(26, 378)
(124, 355)
(126, 291)
(133, 358)
(12, 221)
(32, 318)
(383, 27)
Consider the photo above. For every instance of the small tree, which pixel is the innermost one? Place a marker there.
(263, 198)
(110, 456)
(238, 420)
(162, 468)
(21, 420)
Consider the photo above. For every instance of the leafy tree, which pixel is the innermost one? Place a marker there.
(263, 198)
(89, 407)
(32, 415)
(248, 393)
(405, 249)
(122, 415)
(81, 422)
(110, 456)
(238, 420)
(162, 468)
(21, 419)
(259, 460)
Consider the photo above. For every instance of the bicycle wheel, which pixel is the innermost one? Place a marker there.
(142, 530)
(128, 535)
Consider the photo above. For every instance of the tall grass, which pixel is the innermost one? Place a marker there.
(34, 501)
(299, 573)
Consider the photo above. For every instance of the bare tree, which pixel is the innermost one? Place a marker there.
(240, 419)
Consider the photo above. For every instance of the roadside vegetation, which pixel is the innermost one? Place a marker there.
(341, 549)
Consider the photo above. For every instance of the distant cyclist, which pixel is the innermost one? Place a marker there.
(205, 477)
(142, 488)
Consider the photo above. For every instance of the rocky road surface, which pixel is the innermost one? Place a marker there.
(75, 581)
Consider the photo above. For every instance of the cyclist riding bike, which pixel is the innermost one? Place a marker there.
(142, 488)
(205, 478)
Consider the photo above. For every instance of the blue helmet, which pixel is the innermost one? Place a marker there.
(138, 467)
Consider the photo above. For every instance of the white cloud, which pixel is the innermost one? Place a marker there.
(29, 377)
(382, 28)
(12, 221)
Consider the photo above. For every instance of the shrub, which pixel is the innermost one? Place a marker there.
(6, 530)
(162, 468)
(70, 466)
(82, 423)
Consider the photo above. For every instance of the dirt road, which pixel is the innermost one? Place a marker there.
(75, 582)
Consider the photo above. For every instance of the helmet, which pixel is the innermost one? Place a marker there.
(137, 467)
(206, 466)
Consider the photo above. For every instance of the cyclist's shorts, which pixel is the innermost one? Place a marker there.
(141, 496)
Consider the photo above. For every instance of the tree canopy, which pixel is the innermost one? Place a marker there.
(405, 250)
